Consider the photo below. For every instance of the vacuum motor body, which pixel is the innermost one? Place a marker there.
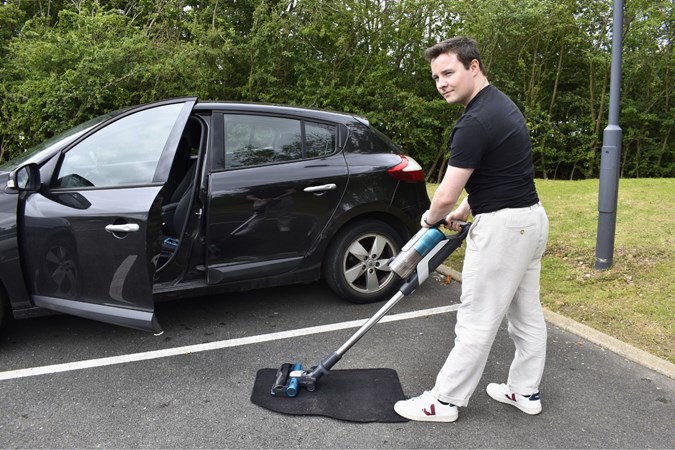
(414, 250)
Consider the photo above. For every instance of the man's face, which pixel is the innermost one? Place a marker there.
(455, 83)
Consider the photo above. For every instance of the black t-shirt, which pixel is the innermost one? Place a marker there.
(492, 138)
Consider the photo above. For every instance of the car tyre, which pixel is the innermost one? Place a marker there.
(356, 266)
(5, 313)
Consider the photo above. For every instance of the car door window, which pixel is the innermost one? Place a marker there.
(256, 140)
(123, 153)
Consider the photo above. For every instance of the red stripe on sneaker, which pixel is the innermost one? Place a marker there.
(433, 410)
(511, 397)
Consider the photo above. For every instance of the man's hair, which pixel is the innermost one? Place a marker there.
(464, 47)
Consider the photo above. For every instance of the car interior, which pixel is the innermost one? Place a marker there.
(180, 184)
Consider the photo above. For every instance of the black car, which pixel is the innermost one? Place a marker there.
(179, 198)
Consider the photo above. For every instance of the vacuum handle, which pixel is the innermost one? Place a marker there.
(445, 222)
(449, 245)
(453, 242)
(437, 256)
(461, 223)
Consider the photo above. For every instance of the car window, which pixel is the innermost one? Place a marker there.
(319, 139)
(256, 140)
(126, 152)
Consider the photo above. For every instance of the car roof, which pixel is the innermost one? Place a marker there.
(269, 108)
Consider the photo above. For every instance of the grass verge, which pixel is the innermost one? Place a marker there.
(633, 300)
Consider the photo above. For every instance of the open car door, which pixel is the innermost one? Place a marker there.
(90, 235)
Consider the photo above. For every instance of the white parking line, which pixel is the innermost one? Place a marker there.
(100, 362)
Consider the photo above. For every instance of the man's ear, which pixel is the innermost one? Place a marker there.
(474, 66)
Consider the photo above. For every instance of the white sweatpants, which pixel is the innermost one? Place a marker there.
(502, 265)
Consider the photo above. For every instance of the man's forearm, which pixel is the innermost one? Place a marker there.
(448, 192)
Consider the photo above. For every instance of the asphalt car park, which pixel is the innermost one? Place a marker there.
(197, 394)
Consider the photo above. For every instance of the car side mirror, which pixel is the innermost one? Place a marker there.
(25, 178)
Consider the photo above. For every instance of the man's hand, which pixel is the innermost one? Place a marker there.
(459, 215)
(423, 220)
(454, 224)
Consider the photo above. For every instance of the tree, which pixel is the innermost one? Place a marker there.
(64, 62)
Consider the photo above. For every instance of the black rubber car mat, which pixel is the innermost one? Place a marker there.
(354, 395)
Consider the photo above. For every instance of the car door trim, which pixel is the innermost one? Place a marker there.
(137, 319)
(223, 273)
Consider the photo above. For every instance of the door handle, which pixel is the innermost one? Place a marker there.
(123, 228)
(323, 187)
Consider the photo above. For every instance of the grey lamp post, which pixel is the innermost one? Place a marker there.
(611, 153)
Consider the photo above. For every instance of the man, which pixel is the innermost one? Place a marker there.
(491, 157)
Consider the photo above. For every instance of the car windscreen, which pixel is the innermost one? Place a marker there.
(58, 141)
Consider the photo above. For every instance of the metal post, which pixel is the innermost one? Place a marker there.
(611, 153)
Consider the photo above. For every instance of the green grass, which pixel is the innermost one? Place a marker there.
(633, 300)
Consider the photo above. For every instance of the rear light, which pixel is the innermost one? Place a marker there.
(407, 170)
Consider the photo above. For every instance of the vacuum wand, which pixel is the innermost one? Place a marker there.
(418, 258)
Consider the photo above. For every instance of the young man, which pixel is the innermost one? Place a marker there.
(491, 157)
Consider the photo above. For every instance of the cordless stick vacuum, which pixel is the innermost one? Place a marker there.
(418, 258)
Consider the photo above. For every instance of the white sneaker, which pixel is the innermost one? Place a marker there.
(529, 404)
(426, 408)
